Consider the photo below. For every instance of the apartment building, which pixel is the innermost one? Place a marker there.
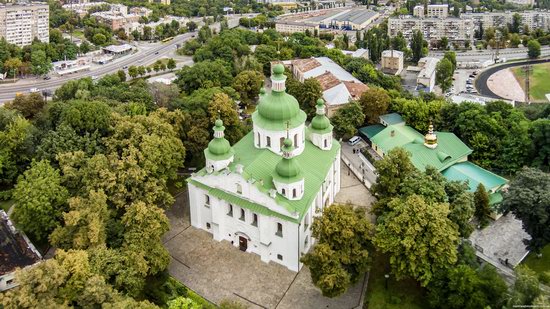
(119, 17)
(20, 24)
(292, 27)
(533, 19)
(433, 11)
(457, 30)
(426, 76)
(165, 2)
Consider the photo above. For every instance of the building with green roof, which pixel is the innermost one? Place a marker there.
(262, 193)
(442, 150)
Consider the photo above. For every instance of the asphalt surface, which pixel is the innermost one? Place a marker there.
(483, 55)
(481, 80)
(142, 57)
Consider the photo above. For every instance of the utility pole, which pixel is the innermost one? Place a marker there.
(527, 70)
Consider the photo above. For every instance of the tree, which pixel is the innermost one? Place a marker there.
(183, 303)
(12, 65)
(516, 23)
(16, 146)
(164, 95)
(464, 287)
(533, 49)
(481, 201)
(99, 39)
(375, 102)
(40, 63)
(392, 171)
(444, 43)
(529, 199)
(444, 74)
(133, 71)
(340, 256)
(28, 105)
(40, 200)
(346, 120)
(85, 223)
(191, 26)
(399, 42)
(205, 74)
(171, 64)
(417, 45)
(84, 47)
(307, 94)
(122, 75)
(540, 135)
(451, 56)
(63, 280)
(248, 84)
(462, 206)
(526, 288)
(418, 237)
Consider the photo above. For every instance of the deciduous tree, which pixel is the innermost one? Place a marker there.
(347, 119)
(248, 84)
(375, 102)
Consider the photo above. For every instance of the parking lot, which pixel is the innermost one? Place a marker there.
(464, 80)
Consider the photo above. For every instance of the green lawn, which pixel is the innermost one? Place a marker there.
(399, 294)
(538, 81)
(539, 265)
(5, 205)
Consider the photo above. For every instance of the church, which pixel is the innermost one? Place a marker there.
(262, 193)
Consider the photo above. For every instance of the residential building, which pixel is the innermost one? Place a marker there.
(418, 11)
(426, 76)
(433, 11)
(392, 61)
(293, 27)
(83, 8)
(165, 2)
(21, 24)
(522, 2)
(16, 251)
(534, 19)
(442, 150)
(338, 85)
(262, 193)
(359, 53)
(119, 17)
(457, 30)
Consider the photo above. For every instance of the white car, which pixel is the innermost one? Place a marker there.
(32, 90)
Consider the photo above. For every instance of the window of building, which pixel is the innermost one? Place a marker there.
(207, 225)
(268, 141)
(279, 230)
(306, 242)
(293, 192)
(326, 143)
(306, 222)
(281, 142)
(296, 140)
(279, 257)
(283, 191)
(239, 188)
(206, 200)
(242, 215)
(259, 139)
(230, 212)
(254, 219)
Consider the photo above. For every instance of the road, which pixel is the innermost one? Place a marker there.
(8, 91)
(508, 53)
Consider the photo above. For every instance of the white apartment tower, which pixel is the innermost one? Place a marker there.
(20, 24)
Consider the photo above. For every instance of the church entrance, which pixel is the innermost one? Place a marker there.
(243, 243)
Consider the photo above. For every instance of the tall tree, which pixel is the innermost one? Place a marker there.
(205, 74)
(375, 102)
(347, 119)
(40, 199)
(540, 138)
(444, 74)
(526, 288)
(248, 84)
(307, 94)
(417, 46)
(529, 199)
(40, 63)
(418, 237)
(481, 201)
(29, 105)
(340, 256)
(533, 49)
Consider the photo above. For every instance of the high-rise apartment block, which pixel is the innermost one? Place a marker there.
(20, 24)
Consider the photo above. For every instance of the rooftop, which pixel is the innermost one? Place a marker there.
(391, 119)
(259, 167)
(118, 48)
(467, 171)
(16, 250)
(356, 16)
(392, 53)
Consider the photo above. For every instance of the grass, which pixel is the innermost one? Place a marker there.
(538, 81)
(539, 265)
(399, 294)
(78, 34)
(5, 205)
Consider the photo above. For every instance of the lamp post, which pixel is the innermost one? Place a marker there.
(387, 276)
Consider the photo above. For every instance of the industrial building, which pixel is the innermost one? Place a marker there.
(327, 20)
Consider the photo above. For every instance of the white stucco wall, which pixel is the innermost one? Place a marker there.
(297, 135)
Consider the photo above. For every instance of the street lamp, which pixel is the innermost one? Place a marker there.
(387, 276)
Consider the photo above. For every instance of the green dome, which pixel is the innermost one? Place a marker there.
(218, 148)
(278, 69)
(320, 122)
(287, 169)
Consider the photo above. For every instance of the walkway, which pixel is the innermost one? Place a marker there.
(358, 164)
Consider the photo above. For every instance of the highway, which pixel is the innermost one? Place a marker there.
(142, 57)
(482, 55)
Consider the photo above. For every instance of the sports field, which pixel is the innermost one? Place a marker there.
(539, 81)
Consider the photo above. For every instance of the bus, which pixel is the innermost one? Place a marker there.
(167, 39)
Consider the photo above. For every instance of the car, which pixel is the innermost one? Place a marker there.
(471, 76)
(47, 77)
(354, 140)
(156, 53)
(125, 67)
(94, 77)
(468, 82)
(33, 90)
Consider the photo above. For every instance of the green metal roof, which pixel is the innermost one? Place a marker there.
(370, 131)
(276, 109)
(259, 165)
(495, 198)
(392, 119)
(449, 150)
(467, 171)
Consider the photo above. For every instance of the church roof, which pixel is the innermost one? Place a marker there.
(467, 171)
(259, 166)
(449, 150)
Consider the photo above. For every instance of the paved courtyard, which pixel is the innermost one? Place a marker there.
(218, 271)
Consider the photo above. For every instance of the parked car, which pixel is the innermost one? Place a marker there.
(32, 90)
(47, 77)
(354, 140)
(156, 53)
(125, 67)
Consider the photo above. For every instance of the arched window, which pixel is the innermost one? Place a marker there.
(239, 188)
(259, 139)
(284, 192)
(296, 140)
(293, 192)
(326, 143)
(268, 141)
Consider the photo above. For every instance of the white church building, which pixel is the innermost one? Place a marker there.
(262, 193)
